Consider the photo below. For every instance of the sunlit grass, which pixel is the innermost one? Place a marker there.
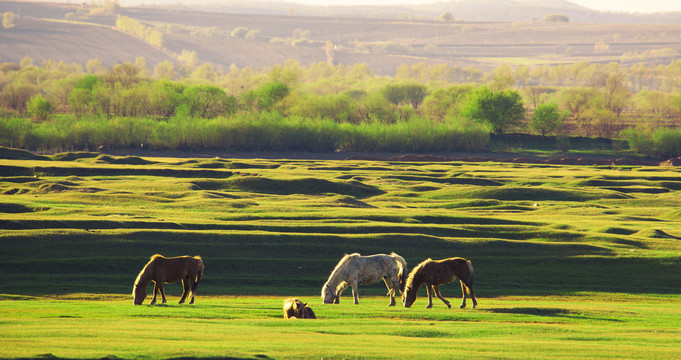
(570, 261)
(580, 326)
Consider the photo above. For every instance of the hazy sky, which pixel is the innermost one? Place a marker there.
(643, 6)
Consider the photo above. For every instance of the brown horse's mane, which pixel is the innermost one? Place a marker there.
(416, 270)
(147, 269)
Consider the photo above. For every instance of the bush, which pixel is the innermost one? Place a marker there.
(547, 118)
(661, 142)
(39, 108)
(556, 18)
(500, 109)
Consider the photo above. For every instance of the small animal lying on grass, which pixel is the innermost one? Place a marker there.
(296, 309)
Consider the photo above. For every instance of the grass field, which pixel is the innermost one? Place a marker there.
(593, 326)
(570, 261)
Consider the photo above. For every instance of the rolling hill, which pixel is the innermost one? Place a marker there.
(384, 44)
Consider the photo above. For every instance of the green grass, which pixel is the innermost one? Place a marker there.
(570, 261)
(582, 326)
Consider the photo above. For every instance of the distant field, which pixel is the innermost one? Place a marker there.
(383, 44)
(570, 261)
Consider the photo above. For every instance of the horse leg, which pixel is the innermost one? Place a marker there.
(163, 293)
(195, 287)
(463, 295)
(340, 290)
(472, 294)
(153, 300)
(192, 291)
(355, 292)
(185, 289)
(439, 296)
(391, 290)
(429, 289)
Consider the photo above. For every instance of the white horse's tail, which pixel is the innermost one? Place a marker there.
(402, 265)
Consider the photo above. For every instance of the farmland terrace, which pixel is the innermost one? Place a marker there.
(381, 43)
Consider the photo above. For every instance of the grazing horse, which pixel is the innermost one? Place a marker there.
(296, 309)
(436, 272)
(355, 269)
(159, 269)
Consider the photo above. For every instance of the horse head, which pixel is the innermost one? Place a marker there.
(408, 296)
(139, 292)
(328, 295)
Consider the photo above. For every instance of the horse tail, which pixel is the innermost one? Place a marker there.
(471, 274)
(199, 273)
(402, 273)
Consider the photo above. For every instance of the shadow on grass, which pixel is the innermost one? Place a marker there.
(530, 311)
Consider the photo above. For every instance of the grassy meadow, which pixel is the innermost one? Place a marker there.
(570, 261)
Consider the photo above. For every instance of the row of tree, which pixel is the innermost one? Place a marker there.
(132, 90)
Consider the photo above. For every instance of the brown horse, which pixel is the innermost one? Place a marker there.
(436, 272)
(159, 269)
(296, 309)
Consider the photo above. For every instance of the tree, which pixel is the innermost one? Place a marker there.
(577, 100)
(125, 74)
(8, 20)
(393, 93)
(446, 16)
(165, 70)
(39, 108)
(208, 101)
(414, 93)
(95, 66)
(16, 95)
(443, 103)
(556, 18)
(616, 92)
(266, 97)
(547, 118)
(500, 109)
(535, 93)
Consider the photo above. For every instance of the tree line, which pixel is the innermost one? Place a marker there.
(348, 99)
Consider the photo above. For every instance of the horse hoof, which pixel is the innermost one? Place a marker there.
(429, 306)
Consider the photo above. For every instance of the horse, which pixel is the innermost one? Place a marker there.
(159, 269)
(296, 309)
(355, 269)
(436, 272)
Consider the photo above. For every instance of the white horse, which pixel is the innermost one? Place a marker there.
(355, 269)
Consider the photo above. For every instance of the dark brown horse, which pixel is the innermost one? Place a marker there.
(436, 272)
(159, 269)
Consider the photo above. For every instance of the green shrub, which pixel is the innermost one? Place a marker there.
(660, 142)
(39, 108)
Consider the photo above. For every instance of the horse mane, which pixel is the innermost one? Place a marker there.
(342, 263)
(147, 269)
(416, 271)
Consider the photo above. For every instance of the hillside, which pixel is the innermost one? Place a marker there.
(384, 44)
(465, 10)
